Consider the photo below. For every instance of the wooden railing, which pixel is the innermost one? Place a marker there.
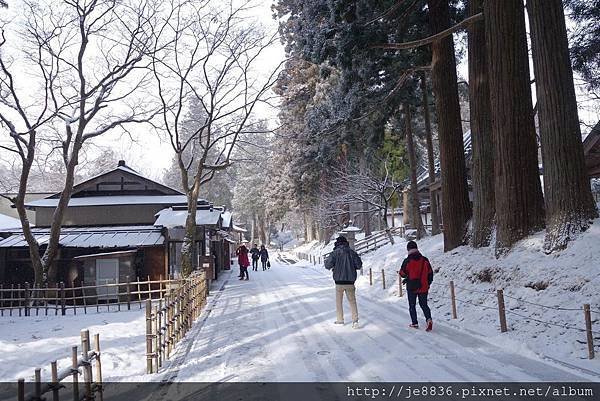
(169, 321)
(81, 365)
(25, 300)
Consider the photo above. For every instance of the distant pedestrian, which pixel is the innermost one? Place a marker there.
(264, 257)
(242, 254)
(255, 256)
(418, 275)
(344, 263)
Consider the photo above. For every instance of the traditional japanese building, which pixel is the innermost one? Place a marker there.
(119, 226)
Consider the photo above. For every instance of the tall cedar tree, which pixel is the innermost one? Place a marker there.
(415, 214)
(433, 204)
(569, 202)
(456, 208)
(518, 193)
(482, 173)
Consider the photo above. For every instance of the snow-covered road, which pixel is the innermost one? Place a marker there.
(279, 327)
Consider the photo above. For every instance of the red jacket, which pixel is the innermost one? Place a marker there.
(417, 266)
(242, 253)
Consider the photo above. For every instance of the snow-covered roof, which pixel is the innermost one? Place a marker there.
(176, 218)
(227, 219)
(423, 171)
(239, 229)
(350, 229)
(7, 222)
(93, 237)
(114, 200)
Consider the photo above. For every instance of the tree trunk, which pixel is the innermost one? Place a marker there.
(456, 208)
(415, 213)
(482, 173)
(405, 208)
(570, 206)
(518, 194)
(435, 217)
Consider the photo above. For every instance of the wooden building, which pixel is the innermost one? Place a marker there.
(118, 226)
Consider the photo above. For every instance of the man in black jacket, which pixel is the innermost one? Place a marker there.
(344, 263)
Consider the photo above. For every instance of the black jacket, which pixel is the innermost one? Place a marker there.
(255, 253)
(344, 262)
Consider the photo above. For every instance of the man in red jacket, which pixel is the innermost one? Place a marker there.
(418, 275)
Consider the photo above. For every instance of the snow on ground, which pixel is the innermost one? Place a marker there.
(279, 327)
(35, 341)
(564, 280)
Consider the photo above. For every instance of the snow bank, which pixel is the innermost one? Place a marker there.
(35, 341)
(562, 282)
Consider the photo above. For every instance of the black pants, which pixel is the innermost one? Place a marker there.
(264, 264)
(254, 264)
(244, 272)
(412, 306)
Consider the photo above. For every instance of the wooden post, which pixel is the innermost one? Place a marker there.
(75, 371)
(149, 336)
(54, 373)
(128, 293)
(399, 285)
(21, 390)
(453, 299)
(502, 311)
(98, 365)
(27, 299)
(87, 368)
(370, 276)
(63, 310)
(383, 278)
(588, 329)
(38, 383)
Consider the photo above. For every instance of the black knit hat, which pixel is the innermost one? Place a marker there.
(341, 240)
(411, 245)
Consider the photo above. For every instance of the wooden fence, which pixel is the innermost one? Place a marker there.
(82, 365)
(169, 320)
(496, 302)
(26, 301)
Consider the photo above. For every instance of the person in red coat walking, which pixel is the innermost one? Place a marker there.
(418, 275)
(242, 254)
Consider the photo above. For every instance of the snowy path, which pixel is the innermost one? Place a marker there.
(279, 327)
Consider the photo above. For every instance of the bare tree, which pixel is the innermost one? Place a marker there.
(212, 55)
(372, 187)
(84, 55)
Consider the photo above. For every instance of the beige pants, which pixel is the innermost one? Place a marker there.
(351, 295)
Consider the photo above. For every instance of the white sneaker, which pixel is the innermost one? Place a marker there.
(355, 325)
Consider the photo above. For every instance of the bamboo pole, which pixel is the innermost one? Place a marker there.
(87, 368)
(54, 375)
(75, 371)
(370, 276)
(383, 278)
(149, 336)
(588, 329)
(502, 311)
(98, 365)
(155, 338)
(453, 299)
(21, 390)
(38, 383)
(26, 306)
